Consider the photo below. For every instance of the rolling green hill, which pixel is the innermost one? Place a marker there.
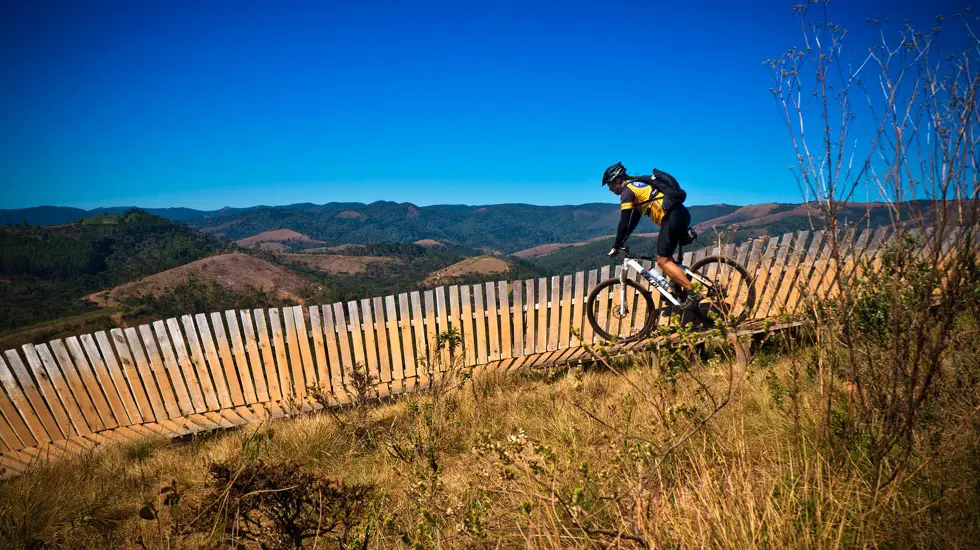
(46, 271)
(121, 269)
(503, 227)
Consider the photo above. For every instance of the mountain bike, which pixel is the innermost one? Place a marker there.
(621, 310)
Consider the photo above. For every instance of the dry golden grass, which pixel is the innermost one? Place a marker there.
(488, 464)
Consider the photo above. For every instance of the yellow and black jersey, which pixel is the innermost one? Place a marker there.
(643, 197)
(654, 196)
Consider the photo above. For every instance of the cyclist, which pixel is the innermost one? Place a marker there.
(660, 197)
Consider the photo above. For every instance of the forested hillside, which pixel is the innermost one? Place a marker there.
(46, 271)
(502, 227)
(82, 276)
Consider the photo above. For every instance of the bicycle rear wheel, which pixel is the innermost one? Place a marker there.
(728, 289)
(620, 314)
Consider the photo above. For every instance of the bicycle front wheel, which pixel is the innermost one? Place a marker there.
(727, 287)
(620, 314)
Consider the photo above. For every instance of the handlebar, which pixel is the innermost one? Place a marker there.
(626, 252)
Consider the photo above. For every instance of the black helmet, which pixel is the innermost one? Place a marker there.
(615, 171)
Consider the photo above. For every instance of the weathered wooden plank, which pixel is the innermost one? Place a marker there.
(197, 373)
(397, 360)
(214, 369)
(159, 374)
(442, 316)
(8, 442)
(247, 415)
(131, 375)
(212, 420)
(91, 385)
(855, 251)
(541, 322)
(295, 360)
(506, 317)
(370, 341)
(554, 313)
(103, 379)
(466, 324)
(241, 361)
(479, 311)
(40, 392)
(803, 273)
(418, 326)
(356, 335)
(794, 261)
(275, 411)
(305, 354)
(144, 376)
(776, 274)
(266, 368)
(36, 416)
(186, 364)
(14, 429)
(530, 309)
(428, 315)
(173, 369)
(235, 386)
(381, 340)
(330, 342)
(408, 340)
(75, 415)
(254, 357)
(518, 318)
(344, 343)
(13, 461)
(118, 380)
(834, 264)
(282, 362)
(821, 265)
(588, 333)
(602, 309)
(319, 350)
(762, 274)
(567, 304)
(455, 323)
(835, 248)
(50, 383)
(741, 289)
(493, 327)
(753, 253)
(578, 308)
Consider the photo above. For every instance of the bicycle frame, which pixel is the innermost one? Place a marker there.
(654, 277)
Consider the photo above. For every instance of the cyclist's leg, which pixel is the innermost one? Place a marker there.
(673, 230)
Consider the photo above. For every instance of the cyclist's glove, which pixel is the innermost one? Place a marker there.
(612, 252)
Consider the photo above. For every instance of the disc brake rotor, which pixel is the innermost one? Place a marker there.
(620, 312)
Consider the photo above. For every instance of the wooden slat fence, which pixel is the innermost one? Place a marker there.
(203, 372)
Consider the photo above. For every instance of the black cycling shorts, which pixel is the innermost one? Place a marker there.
(673, 230)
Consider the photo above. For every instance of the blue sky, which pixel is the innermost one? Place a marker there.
(234, 103)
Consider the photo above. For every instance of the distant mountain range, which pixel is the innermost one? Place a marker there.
(501, 227)
(505, 228)
(58, 215)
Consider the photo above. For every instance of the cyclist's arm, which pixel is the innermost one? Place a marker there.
(628, 218)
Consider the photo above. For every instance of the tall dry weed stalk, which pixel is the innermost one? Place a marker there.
(897, 121)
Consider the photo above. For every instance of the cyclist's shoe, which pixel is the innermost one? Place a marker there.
(691, 301)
